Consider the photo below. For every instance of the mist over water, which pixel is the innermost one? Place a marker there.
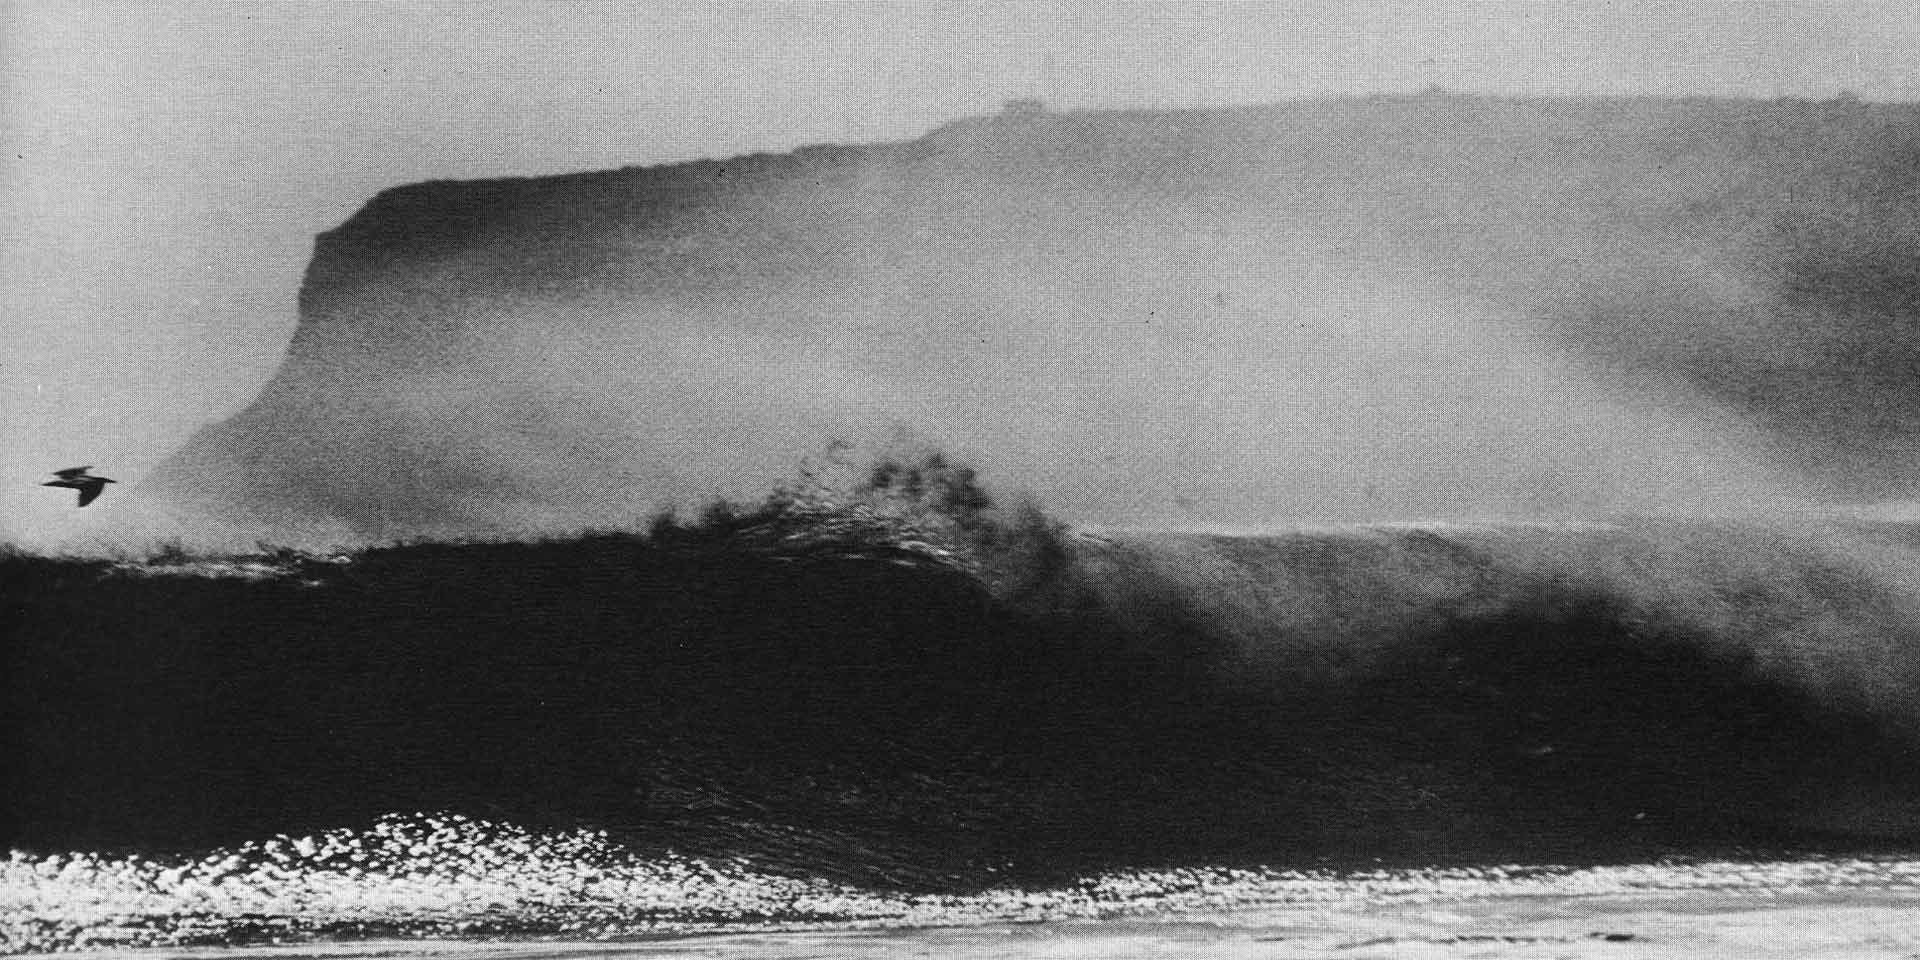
(1430, 308)
(1239, 395)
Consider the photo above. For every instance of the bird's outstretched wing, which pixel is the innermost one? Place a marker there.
(91, 492)
(72, 473)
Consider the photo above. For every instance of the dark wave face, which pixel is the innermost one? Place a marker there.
(833, 703)
(825, 712)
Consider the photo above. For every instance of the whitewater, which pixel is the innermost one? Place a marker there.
(437, 885)
(806, 722)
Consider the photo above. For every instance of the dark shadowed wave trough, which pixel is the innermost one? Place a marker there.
(882, 710)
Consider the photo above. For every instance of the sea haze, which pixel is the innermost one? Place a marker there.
(1388, 308)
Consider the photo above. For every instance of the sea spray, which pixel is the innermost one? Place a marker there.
(901, 684)
(1352, 310)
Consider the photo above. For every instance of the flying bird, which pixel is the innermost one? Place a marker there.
(78, 479)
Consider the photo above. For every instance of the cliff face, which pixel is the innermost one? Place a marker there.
(1338, 309)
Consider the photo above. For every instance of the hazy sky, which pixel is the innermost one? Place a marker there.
(167, 165)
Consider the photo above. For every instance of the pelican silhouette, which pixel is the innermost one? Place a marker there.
(78, 479)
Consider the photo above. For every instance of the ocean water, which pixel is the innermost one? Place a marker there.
(449, 878)
(611, 736)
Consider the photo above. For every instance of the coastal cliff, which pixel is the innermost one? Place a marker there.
(1342, 309)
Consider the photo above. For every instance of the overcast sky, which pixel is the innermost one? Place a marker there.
(167, 165)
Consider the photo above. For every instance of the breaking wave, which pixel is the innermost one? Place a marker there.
(919, 694)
